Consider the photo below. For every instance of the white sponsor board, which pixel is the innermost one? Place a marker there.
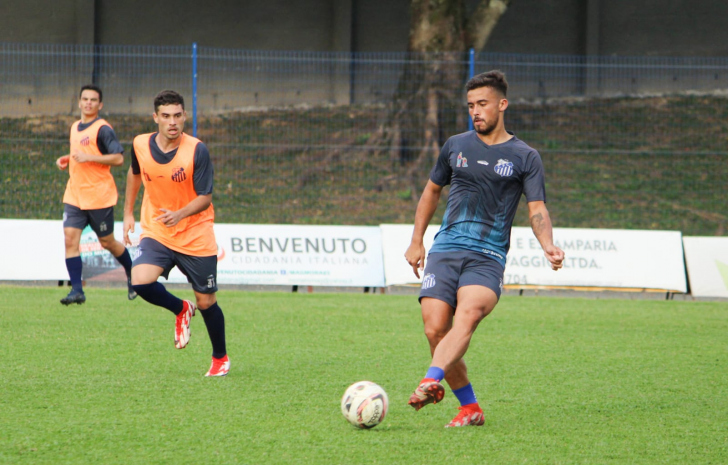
(594, 258)
(395, 240)
(247, 254)
(616, 258)
(299, 255)
(32, 250)
(707, 262)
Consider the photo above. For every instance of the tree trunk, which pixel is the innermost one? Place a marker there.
(428, 106)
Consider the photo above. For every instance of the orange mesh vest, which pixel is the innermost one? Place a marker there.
(171, 186)
(90, 185)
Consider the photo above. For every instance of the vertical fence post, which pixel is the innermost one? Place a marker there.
(471, 73)
(194, 89)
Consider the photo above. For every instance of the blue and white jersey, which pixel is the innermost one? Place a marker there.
(486, 183)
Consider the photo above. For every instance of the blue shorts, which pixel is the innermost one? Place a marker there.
(201, 272)
(446, 272)
(101, 220)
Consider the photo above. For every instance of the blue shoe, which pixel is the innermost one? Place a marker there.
(74, 297)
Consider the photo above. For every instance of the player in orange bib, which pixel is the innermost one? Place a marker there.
(91, 191)
(177, 219)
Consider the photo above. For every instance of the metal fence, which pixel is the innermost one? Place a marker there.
(339, 138)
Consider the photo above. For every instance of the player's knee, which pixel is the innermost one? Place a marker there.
(435, 334)
(473, 315)
(107, 242)
(205, 301)
(144, 290)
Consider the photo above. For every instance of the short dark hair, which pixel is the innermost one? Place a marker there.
(168, 97)
(494, 79)
(93, 87)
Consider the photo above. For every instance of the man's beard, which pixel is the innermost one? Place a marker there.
(487, 130)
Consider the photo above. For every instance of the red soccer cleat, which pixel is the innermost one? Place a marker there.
(220, 366)
(428, 392)
(470, 415)
(182, 325)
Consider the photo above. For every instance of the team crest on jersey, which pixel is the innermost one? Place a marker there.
(179, 175)
(86, 141)
(428, 281)
(503, 167)
(462, 161)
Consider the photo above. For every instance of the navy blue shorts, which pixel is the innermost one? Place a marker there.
(101, 220)
(446, 272)
(201, 272)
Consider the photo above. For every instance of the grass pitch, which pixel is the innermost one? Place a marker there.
(562, 381)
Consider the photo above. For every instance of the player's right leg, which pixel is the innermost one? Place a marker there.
(438, 298)
(437, 319)
(74, 220)
(155, 260)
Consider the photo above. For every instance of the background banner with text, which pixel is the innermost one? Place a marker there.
(594, 258)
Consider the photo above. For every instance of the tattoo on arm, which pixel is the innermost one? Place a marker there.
(537, 223)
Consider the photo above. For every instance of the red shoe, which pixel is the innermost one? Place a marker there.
(220, 366)
(182, 325)
(470, 415)
(428, 392)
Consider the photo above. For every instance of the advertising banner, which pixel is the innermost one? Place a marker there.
(247, 254)
(395, 240)
(594, 258)
(32, 250)
(299, 255)
(707, 263)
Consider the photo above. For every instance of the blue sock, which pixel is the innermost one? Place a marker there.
(435, 373)
(156, 294)
(465, 395)
(215, 322)
(74, 266)
(125, 260)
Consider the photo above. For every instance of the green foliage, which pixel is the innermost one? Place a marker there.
(633, 163)
(567, 381)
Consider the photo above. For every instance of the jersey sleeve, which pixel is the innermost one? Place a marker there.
(204, 173)
(107, 141)
(441, 173)
(533, 182)
(134, 162)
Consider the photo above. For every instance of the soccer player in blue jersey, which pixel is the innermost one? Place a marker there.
(488, 170)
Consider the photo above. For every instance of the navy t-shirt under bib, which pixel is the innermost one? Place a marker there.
(486, 184)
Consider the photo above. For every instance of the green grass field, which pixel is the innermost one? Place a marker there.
(562, 381)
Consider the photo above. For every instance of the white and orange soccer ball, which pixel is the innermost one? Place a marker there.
(364, 404)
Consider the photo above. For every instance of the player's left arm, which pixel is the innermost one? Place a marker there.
(540, 220)
(112, 150)
(202, 179)
(535, 191)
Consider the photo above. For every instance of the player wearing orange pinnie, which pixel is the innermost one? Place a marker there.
(177, 224)
(91, 194)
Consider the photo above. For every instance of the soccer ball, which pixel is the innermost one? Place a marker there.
(364, 404)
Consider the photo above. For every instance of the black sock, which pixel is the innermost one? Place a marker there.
(125, 260)
(155, 293)
(215, 322)
(74, 266)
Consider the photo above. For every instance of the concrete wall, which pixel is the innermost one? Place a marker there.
(599, 27)
(47, 21)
